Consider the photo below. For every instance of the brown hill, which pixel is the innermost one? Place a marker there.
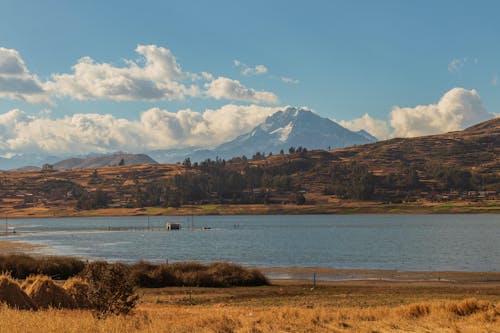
(463, 164)
(103, 161)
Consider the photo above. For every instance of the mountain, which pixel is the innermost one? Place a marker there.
(367, 135)
(103, 161)
(293, 127)
(21, 160)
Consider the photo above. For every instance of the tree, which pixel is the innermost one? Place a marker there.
(47, 167)
(187, 162)
(300, 199)
(122, 162)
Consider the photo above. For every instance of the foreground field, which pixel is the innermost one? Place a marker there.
(354, 306)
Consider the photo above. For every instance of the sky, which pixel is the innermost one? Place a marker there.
(100, 76)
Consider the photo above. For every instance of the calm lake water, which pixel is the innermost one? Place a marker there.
(404, 242)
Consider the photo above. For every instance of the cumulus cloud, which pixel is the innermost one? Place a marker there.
(457, 109)
(376, 127)
(156, 129)
(226, 88)
(156, 76)
(16, 82)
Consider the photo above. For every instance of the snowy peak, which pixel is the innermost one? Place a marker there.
(293, 127)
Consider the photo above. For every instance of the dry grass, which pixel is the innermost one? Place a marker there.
(342, 307)
(45, 293)
(12, 295)
(466, 316)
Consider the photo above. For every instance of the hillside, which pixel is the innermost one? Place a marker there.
(460, 165)
(103, 161)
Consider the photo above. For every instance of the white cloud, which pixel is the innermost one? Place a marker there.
(156, 76)
(457, 109)
(156, 129)
(247, 70)
(16, 82)
(289, 80)
(456, 65)
(378, 128)
(494, 80)
(226, 88)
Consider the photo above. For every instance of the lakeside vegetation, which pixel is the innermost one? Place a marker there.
(141, 274)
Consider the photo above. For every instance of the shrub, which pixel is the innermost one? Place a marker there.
(147, 275)
(78, 289)
(20, 266)
(110, 289)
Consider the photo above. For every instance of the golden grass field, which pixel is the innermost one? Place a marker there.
(349, 306)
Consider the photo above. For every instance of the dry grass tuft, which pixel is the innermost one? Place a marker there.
(78, 289)
(415, 310)
(29, 281)
(12, 295)
(45, 293)
(469, 307)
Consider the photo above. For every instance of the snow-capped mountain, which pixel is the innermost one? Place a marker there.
(293, 127)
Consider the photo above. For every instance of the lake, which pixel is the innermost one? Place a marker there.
(402, 242)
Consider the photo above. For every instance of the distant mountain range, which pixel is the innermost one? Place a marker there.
(103, 161)
(94, 162)
(280, 131)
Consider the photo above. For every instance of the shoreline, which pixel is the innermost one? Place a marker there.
(18, 247)
(348, 208)
(334, 275)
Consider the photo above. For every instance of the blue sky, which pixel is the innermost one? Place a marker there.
(341, 58)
